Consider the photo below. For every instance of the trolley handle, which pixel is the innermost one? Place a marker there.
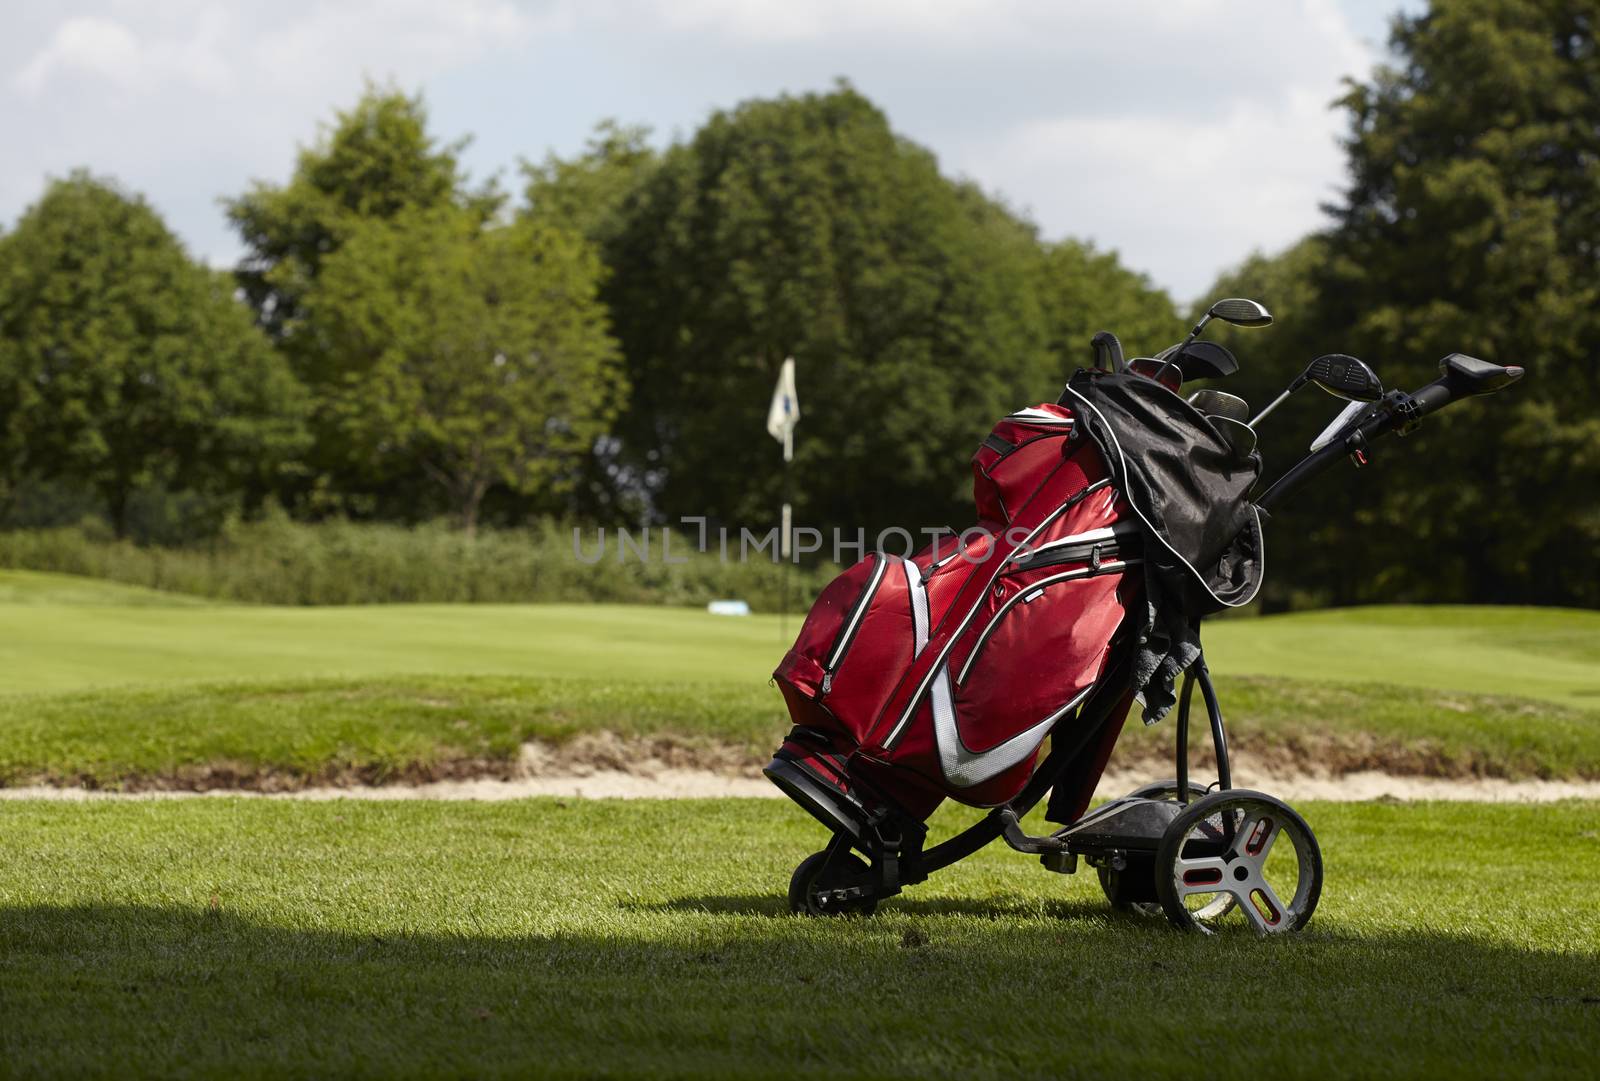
(1460, 377)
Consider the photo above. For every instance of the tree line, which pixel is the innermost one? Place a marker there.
(401, 342)
(1468, 223)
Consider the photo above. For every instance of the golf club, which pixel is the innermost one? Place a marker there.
(1240, 437)
(1339, 374)
(1207, 360)
(1218, 403)
(1239, 311)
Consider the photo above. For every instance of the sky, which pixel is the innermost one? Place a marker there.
(1183, 134)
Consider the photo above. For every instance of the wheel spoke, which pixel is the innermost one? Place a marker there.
(1202, 875)
(1269, 895)
(1251, 913)
(1214, 857)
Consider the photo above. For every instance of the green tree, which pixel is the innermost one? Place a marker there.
(805, 226)
(124, 364)
(375, 162)
(1084, 290)
(478, 354)
(587, 194)
(1470, 224)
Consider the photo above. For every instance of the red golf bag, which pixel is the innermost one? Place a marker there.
(942, 674)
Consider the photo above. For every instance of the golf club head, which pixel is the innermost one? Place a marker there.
(1217, 403)
(1207, 360)
(1240, 437)
(1345, 377)
(1241, 312)
(1153, 368)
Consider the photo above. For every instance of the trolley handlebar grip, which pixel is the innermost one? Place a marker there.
(1460, 377)
(1433, 397)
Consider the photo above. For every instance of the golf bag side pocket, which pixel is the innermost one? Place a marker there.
(856, 641)
(1015, 457)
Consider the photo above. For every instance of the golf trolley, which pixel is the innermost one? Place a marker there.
(1174, 846)
(1196, 853)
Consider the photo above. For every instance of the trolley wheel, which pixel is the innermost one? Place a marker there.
(1167, 789)
(1115, 884)
(1116, 887)
(1245, 846)
(814, 875)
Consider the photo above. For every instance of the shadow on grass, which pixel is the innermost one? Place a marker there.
(989, 908)
(131, 989)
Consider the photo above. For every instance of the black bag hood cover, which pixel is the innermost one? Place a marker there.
(1204, 550)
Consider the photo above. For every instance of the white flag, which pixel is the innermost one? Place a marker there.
(785, 409)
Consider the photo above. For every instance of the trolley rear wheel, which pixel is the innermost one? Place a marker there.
(1167, 789)
(1246, 846)
(811, 882)
(1121, 888)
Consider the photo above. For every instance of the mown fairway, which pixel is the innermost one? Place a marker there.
(599, 939)
(60, 633)
(107, 685)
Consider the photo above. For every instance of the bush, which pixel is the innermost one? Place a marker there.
(277, 561)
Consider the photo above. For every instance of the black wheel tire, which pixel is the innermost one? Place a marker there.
(1167, 789)
(1111, 883)
(1178, 830)
(808, 879)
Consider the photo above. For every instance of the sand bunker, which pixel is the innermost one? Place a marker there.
(653, 779)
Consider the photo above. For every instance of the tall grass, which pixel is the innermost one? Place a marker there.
(277, 561)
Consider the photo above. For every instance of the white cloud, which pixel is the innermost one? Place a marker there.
(1182, 132)
(212, 47)
(1191, 180)
(84, 46)
(189, 100)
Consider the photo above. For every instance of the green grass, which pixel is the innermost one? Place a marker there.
(111, 685)
(237, 937)
(1552, 654)
(278, 561)
(58, 647)
(33, 588)
(286, 733)
(61, 632)
(1408, 730)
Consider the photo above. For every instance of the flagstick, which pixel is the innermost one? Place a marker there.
(787, 527)
(781, 417)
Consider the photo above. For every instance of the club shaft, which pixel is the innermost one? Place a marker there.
(1275, 403)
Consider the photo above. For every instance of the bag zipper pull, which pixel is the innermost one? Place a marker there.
(827, 682)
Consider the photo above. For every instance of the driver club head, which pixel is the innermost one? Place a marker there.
(1345, 377)
(1241, 312)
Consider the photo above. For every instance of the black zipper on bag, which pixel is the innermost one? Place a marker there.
(852, 624)
(1091, 552)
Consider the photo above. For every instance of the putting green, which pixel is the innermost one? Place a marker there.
(56, 647)
(62, 633)
(1548, 653)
